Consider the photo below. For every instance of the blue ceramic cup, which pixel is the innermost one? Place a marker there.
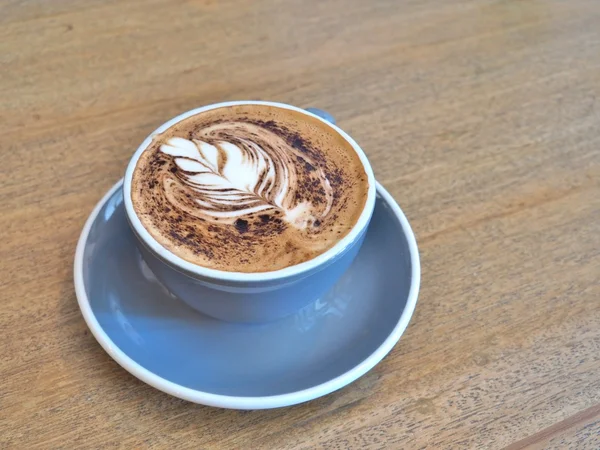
(257, 296)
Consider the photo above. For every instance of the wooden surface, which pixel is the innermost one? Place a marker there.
(482, 118)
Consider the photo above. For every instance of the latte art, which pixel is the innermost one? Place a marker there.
(231, 180)
(249, 188)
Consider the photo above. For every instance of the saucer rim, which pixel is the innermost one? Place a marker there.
(238, 402)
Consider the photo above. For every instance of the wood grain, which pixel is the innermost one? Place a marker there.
(481, 117)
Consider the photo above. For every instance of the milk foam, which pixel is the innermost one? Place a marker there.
(249, 188)
(230, 181)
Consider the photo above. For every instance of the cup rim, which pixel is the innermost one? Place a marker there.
(222, 275)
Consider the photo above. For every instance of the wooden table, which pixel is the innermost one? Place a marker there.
(482, 118)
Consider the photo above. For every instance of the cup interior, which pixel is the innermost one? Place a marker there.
(195, 270)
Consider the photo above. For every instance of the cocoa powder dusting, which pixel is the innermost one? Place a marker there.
(171, 210)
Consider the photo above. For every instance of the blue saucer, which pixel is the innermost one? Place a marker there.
(170, 346)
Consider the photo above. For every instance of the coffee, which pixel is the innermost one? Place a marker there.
(249, 188)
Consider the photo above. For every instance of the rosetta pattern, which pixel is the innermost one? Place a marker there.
(230, 180)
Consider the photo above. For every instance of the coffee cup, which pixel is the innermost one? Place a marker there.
(249, 296)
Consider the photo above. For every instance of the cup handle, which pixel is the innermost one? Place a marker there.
(322, 114)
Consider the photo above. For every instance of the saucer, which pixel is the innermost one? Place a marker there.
(321, 348)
